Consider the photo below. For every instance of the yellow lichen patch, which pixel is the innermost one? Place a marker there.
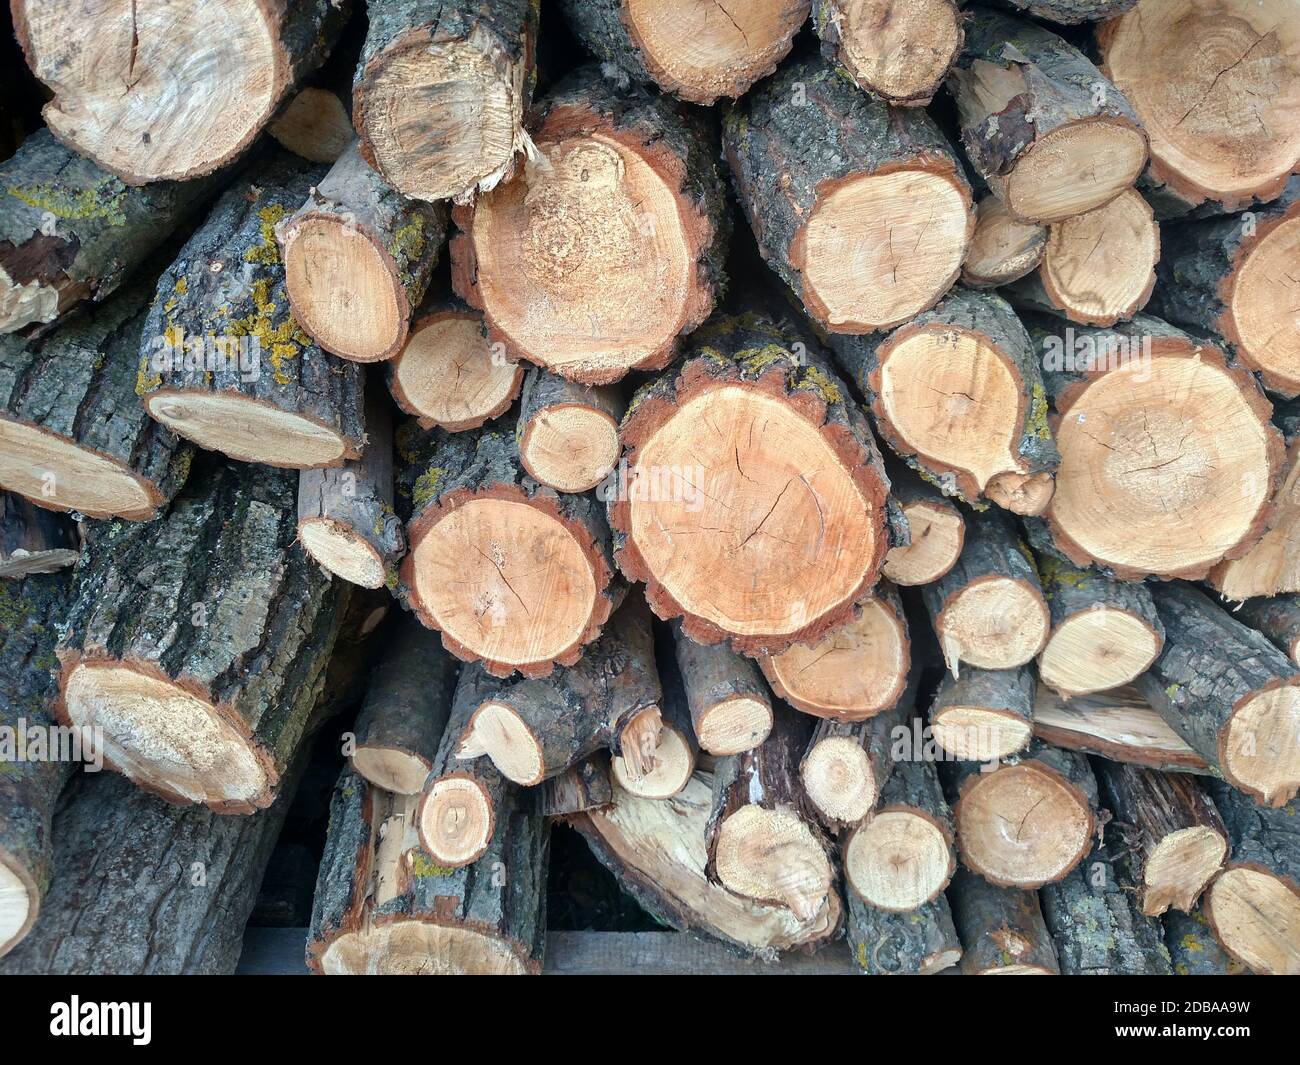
(408, 242)
(146, 382)
(1036, 425)
(266, 251)
(426, 485)
(422, 866)
(103, 201)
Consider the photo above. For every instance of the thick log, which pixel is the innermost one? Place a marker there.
(448, 376)
(730, 707)
(34, 540)
(764, 840)
(1232, 695)
(1098, 268)
(30, 610)
(143, 887)
(989, 610)
(828, 176)
(1169, 462)
(1119, 725)
(1174, 835)
(357, 260)
(383, 907)
(920, 943)
(584, 786)
(223, 360)
(346, 520)
(1229, 276)
(696, 50)
(1003, 249)
(899, 51)
(901, 857)
(657, 851)
(958, 394)
(1104, 633)
(1216, 115)
(74, 435)
(315, 125)
(755, 507)
(855, 672)
(478, 528)
(440, 93)
(1042, 125)
(1278, 619)
(1253, 906)
(71, 232)
(198, 642)
(1193, 950)
(1049, 795)
(539, 727)
(595, 262)
(1098, 925)
(936, 530)
(1001, 929)
(568, 433)
(984, 714)
(406, 707)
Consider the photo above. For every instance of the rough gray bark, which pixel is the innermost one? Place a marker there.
(71, 232)
(1193, 950)
(997, 693)
(33, 540)
(920, 943)
(1069, 12)
(1277, 618)
(1001, 929)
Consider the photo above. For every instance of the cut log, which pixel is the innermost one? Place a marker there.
(600, 256)
(1070, 12)
(582, 787)
(538, 728)
(664, 770)
(1119, 725)
(164, 91)
(984, 714)
(346, 520)
(440, 93)
(1003, 249)
(568, 433)
(1229, 693)
(1001, 929)
(400, 725)
(901, 856)
(1253, 906)
(1214, 83)
(764, 841)
(223, 361)
(855, 672)
(1049, 796)
(1097, 922)
(456, 816)
(357, 259)
(1051, 136)
(1173, 834)
(769, 546)
(1232, 277)
(1278, 619)
(1272, 566)
(29, 786)
(921, 943)
(383, 907)
(731, 710)
(1104, 633)
(1193, 949)
(448, 375)
(1098, 268)
(316, 125)
(143, 887)
(33, 540)
(73, 433)
(863, 211)
(899, 50)
(71, 232)
(1169, 462)
(989, 609)
(657, 852)
(697, 50)
(957, 392)
(198, 642)
(846, 764)
(514, 575)
(936, 527)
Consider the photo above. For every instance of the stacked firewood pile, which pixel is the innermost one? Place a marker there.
(836, 455)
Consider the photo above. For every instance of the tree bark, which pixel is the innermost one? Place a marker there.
(1070, 12)
(224, 362)
(984, 714)
(567, 432)
(1277, 619)
(920, 943)
(1193, 950)
(199, 641)
(583, 786)
(1002, 930)
(822, 170)
(33, 540)
(936, 530)
(730, 706)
